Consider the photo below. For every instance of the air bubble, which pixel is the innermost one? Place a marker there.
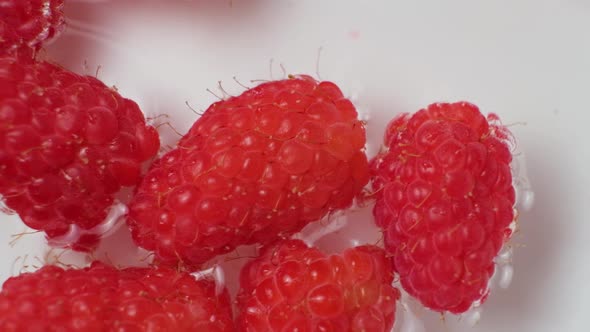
(505, 256)
(354, 96)
(46, 9)
(506, 273)
(524, 202)
(525, 196)
(526, 199)
(472, 317)
(355, 243)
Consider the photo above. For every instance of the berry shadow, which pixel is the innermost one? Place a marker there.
(76, 48)
(207, 7)
(88, 35)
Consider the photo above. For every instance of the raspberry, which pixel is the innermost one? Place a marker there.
(26, 24)
(252, 169)
(102, 298)
(445, 202)
(68, 143)
(292, 287)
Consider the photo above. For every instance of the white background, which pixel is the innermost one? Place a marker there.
(526, 60)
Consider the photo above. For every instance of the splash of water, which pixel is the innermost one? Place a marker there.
(110, 224)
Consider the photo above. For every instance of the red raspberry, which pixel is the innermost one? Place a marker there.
(292, 287)
(68, 143)
(26, 24)
(102, 298)
(253, 168)
(445, 202)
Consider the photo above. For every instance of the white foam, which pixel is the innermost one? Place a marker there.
(506, 273)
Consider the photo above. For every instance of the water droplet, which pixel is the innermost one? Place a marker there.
(526, 199)
(524, 194)
(505, 255)
(506, 272)
(472, 317)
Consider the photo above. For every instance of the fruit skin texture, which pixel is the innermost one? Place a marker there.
(292, 287)
(68, 143)
(252, 169)
(103, 298)
(444, 201)
(25, 25)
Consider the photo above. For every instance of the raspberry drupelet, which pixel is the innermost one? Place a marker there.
(68, 144)
(25, 25)
(252, 169)
(103, 298)
(293, 287)
(445, 202)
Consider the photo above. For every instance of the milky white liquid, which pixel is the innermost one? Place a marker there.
(332, 234)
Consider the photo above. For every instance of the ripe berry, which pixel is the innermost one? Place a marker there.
(25, 25)
(292, 287)
(252, 169)
(444, 201)
(68, 143)
(103, 298)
